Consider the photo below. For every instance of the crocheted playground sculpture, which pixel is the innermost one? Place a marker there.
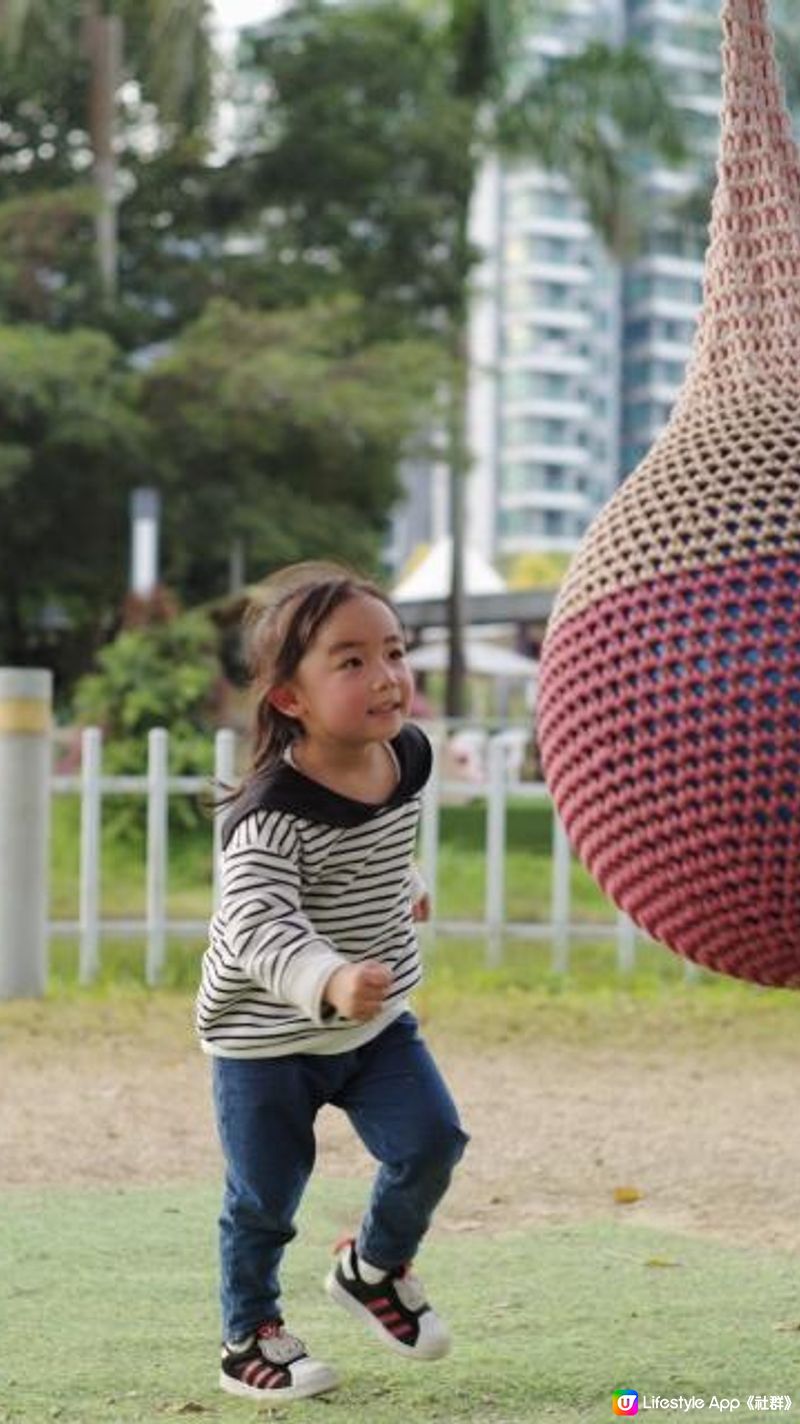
(669, 709)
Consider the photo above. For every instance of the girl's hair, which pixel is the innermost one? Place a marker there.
(280, 627)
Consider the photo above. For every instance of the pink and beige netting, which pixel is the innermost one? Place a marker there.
(669, 711)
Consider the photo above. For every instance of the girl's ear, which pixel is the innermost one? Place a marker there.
(283, 699)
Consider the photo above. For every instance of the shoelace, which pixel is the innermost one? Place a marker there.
(270, 1329)
(284, 1348)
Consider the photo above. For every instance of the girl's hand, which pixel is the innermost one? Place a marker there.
(421, 908)
(357, 991)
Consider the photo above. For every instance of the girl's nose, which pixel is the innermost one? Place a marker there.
(384, 675)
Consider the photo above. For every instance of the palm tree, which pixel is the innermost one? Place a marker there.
(583, 116)
(163, 44)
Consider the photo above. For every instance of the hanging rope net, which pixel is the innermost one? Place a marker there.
(669, 708)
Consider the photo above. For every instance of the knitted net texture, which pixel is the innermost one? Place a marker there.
(669, 708)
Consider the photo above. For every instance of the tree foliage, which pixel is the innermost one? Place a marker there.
(293, 314)
(363, 156)
(282, 429)
(47, 201)
(71, 445)
(45, 67)
(165, 675)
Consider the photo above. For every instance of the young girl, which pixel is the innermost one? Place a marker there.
(304, 993)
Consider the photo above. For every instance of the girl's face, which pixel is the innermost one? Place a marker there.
(353, 685)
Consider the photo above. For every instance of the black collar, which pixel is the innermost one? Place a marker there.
(284, 788)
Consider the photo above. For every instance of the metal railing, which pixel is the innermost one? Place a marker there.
(498, 782)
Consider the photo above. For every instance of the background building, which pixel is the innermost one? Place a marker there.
(545, 338)
(662, 289)
(577, 363)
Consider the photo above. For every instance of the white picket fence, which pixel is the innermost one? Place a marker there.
(496, 784)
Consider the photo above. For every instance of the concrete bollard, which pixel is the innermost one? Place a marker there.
(26, 697)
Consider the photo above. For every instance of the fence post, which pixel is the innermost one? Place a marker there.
(91, 768)
(429, 838)
(562, 865)
(626, 944)
(26, 696)
(157, 846)
(224, 777)
(495, 849)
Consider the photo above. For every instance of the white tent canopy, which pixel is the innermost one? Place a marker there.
(431, 579)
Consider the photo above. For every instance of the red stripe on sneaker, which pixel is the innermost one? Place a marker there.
(376, 1305)
(394, 1323)
(262, 1376)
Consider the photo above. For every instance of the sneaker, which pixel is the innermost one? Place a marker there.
(273, 1362)
(391, 1304)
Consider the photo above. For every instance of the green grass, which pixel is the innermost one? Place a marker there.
(460, 974)
(452, 964)
(110, 1317)
(528, 866)
(512, 1002)
(462, 873)
(107, 1296)
(499, 999)
(122, 868)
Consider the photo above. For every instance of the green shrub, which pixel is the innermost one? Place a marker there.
(163, 675)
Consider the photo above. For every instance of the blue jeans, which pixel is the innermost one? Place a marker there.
(401, 1109)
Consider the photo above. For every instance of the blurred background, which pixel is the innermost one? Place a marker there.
(412, 284)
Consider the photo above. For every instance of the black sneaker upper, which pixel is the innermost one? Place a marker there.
(382, 1300)
(264, 1359)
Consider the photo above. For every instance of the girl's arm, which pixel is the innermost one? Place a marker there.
(420, 899)
(268, 934)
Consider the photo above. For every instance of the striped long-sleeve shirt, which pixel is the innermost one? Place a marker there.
(311, 881)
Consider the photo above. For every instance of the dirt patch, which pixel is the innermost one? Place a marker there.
(704, 1131)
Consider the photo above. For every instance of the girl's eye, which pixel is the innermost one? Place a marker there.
(351, 662)
(397, 654)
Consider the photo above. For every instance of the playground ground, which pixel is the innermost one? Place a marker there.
(689, 1101)
(680, 1099)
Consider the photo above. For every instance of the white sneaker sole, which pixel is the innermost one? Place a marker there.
(424, 1351)
(319, 1379)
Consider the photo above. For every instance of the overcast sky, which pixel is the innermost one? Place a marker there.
(231, 13)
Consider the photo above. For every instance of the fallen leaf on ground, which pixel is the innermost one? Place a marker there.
(623, 1196)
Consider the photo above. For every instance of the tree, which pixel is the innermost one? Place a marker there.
(280, 429)
(88, 47)
(360, 158)
(178, 205)
(70, 449)
(283, 433)
(377, 121)
(283, 430)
